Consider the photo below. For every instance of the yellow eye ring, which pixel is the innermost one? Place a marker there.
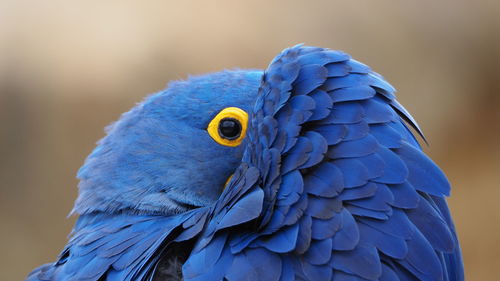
(229, 126)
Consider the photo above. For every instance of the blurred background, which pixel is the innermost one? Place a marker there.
(69, 68)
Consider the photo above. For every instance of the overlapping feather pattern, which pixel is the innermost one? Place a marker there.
(346, 192)
(332, 185)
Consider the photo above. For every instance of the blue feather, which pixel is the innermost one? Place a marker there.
(287, 269)
(363, 212)
(323, 229)
(388, 274)
(73, 265)
(345, 113)
(291, 187)
(326, 180)
(304, 235)
(397, 225)
(424, 175)
(323, 105)
(347, 237)
(273, 159)
(407, 117)
(421, 259)
(402, 273)
(268, 131)
(289, 125)
(432, 226)
(354, 148)
(378, 111)
(290, 70)
(395, 169)
(322, 57)
(404, 132)
(130, 256)
(360, 192)
(310, 77)
(358, 67)
(453, 261)
(316, 272)
(241, 269)
(282, 241)
(323, 208)
(368, 213)
(216, 272)
(386, 135)
(382, 86)
(119, 247)
(319, 252)
(373, 164)
(389, 245)
(95, 268)
(304, 105)
(298, 155)
(202, 259)
(353, 171)
(338, 69)
(352, 81)
(340, 275)
(253, 264)
(333, 134)
(240, 241)
(380, 201)
(356, 131)
(350, 92)
(405, 195)
(319, 148)
(296, 211)
(246, 209)
(362, 261)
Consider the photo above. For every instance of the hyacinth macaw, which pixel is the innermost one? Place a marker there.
(306, 171)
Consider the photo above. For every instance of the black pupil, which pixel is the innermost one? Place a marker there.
(229, 128)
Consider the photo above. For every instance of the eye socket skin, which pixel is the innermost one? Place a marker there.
(226, 124)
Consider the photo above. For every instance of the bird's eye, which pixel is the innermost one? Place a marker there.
(229, 126)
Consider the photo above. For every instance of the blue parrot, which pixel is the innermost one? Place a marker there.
(305, 171)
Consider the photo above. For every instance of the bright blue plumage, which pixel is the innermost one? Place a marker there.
(328, 183)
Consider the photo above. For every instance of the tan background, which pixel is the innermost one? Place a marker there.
(68, 68)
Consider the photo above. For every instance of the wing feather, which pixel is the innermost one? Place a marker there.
(353, 194)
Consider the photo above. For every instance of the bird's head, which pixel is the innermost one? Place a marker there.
(173, 151)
